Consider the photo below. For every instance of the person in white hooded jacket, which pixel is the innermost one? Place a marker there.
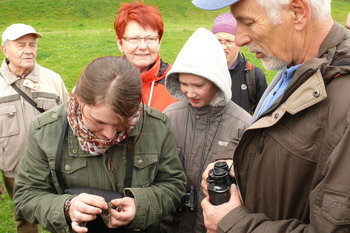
(204, 121)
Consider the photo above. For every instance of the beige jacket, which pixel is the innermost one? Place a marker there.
(46, 88)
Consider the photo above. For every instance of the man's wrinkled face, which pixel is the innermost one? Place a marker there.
(270, 42)
(21, 52)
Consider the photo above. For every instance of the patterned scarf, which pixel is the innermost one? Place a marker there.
(87, 139)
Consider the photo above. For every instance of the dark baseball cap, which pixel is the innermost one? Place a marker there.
(213, 4)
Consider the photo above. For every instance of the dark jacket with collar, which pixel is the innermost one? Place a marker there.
(292, 164)
(239, 88)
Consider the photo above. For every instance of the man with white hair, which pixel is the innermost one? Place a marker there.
(292, 164)
(26, 89)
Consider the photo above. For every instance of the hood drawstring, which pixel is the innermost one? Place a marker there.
(151, 94)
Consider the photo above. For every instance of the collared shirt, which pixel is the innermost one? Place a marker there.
(233, 66)
(279, 89)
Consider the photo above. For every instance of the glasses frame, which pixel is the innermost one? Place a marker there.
(149, 40)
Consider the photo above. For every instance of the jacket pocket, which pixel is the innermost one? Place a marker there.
(8, 121)
(71, 166)
(336, 207)
(46, 100)
(145, 169)
(75, 172)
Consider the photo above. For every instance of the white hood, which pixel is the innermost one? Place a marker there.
(204, 56)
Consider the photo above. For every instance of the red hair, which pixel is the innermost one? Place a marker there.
(146, 16)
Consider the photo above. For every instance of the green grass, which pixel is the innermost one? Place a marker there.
(76, 32)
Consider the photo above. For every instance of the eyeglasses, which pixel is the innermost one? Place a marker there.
(149, 40)
(227, 42)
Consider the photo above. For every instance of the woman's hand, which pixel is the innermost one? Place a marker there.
(123, 213)
(84, 208)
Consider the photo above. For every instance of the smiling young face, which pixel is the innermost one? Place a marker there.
(143, 52)
(199, 91)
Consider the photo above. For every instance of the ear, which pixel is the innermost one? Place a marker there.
(301, 13)
(119, 43)
(81, 103)
(4, 50)
(78, 99)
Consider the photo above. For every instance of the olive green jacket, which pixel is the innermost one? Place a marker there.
(158, 180)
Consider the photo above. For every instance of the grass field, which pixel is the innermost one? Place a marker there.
(76, 32)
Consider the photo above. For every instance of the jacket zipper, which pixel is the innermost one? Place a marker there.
(261, 143)
(151, 94)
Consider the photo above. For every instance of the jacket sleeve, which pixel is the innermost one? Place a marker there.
(329, 202)
(36, 198)
(164, 195)
(261, 84)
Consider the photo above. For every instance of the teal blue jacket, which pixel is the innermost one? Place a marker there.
(158, 180)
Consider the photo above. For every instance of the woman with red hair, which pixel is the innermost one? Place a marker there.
(139, 29)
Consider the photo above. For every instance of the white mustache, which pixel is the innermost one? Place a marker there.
(254, 49)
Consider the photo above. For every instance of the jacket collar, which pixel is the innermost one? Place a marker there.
(335, 36)
(208, 110)
(330, 52)
(311, 92)
(11, 77)
(151, 75)
(335, 47)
